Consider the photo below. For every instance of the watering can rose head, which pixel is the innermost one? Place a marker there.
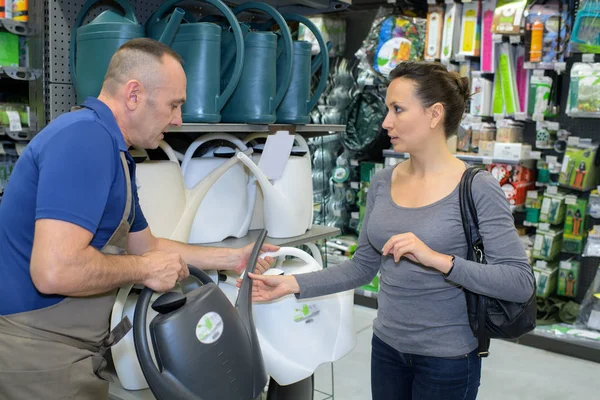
(145, 87)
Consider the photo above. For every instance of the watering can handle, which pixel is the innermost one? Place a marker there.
(324, 53)
(237, 33)
(287, 68)
(189, 153)
(291, 251)
(168, 151)
(129, 14)
(298, 138)
(318, 60)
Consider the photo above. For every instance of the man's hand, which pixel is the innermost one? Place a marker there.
(261, 265)
(164, 270)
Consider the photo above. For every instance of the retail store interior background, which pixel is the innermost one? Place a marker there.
(533, 123)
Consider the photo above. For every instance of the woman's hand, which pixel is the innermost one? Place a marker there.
(262, 264)
(272, 287)
(410, 246)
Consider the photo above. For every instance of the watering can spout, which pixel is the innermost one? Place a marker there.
(172, 26)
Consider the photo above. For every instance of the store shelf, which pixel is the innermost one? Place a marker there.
(540, 338)
(317, 232)
(20, 73)
(24, 134)
(548, 66)
(16, 27)
(579, 114)
(305, 130)
(470, 158)
(366, 298)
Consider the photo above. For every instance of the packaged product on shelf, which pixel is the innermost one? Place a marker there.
(539, 94)
(546, 28)
(9, 49)
(464, 134)
(568, 274)
(594, 204)
(488, 47)
(482, 132)
(553, 207)
(14, 116)
(515, 181)
(481, 100)
(451, 37)
(546, 134)
(512, 151)
(20, 10)
(585, 38)
(332, 29)
(470, 31)
(435, 28)
(545, 278)
(509, 131)
(508, 17)
(6, 9)
(486, 147)
(522, 76)
(533, 204)
(547, 243)
(579, 169)
(584, 90)
(391, 40)
(575, 222)
(589, 312)
(506, 92)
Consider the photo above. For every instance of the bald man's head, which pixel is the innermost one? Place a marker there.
(140, 59)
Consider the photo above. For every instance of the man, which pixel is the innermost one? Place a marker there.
(69, 215)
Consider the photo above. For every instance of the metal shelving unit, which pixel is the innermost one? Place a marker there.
(470, 158)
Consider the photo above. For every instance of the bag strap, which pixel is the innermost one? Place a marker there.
(467, 207)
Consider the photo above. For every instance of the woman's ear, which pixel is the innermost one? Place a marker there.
(437, 115)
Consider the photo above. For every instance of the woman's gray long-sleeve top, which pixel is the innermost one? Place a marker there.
(421, 311)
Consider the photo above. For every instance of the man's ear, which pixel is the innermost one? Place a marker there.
(133, 94)
(437, 115)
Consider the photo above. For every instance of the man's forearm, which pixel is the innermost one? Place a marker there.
(201, 257)
(91, 273)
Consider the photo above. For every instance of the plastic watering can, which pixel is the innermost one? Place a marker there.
(321, 329)
(287, 202)
(227, 207)
(267, 70)
(93, 45)
(199, 44)
(297, 102)
(168, 206)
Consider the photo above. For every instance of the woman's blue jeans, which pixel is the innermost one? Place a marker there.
(402, 376)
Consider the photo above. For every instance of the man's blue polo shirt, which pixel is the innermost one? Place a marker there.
(71, 171)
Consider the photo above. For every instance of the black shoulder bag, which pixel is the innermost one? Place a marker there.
(490, 318)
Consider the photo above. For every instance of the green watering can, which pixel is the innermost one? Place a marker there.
(297, 102)
(199, 44)
(93, 45)
(264, 79)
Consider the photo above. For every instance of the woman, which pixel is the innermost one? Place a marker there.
(423, 347)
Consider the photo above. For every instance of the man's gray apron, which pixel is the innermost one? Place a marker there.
(57, 352)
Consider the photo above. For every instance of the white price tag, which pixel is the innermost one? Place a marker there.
(560, 66)
(367, 293)
(528, 65)
(532, 194)
(538, 117)
(276, 154)
(20, 147)
(432, 2)
(354, 163)
(538, 72)
(573, 141)
(14, 121)
(571, 200)
(566, 265)
(551, 159)
(535, 155)
(514, 39)
(553, 126)
(354, 185)
(2, 151)
(596, 228)
(544, 226)
(460, 57)
(355, 215)
(541, 264)
(552, 190)
(546, 205)
(521, 116)
(498, 117)
(587, 58)
(496, 38)
(337, 213)
(487, 160)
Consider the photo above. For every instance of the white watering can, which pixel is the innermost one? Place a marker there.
(287, 202)
(170, 209)
(168, 206)
(296, 336)
(226, 210)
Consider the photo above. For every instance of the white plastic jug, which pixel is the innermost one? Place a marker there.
(287, 202)
(296, 336)
(226, 209)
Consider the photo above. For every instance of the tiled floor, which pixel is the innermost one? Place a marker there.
(512, 372)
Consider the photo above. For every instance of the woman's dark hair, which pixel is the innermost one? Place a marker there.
(435, 84)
